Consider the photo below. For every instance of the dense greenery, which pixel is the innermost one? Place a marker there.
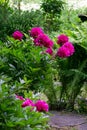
(25, 69)
(12, 20)
(13, 116)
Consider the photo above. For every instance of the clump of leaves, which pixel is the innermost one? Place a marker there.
(53, 7)
(13, 116)
(52, 11)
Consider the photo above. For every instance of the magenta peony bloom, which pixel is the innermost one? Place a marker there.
(66, 50)
(18, 35)
(49, 51)
(34, 32)
(19, 97)
(63, 52)
(43, 40)
(70, 47)
(62, 39)
(36, 43)
(41, 106)
(28, 102)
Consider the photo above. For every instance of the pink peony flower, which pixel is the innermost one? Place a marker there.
(36, 43)
(63, 52)
(34, 32)
(70, 47)
(28, 102)
(62, 39)
(43, 40)
(66, 50)
(49, 51)
(19, 97)
(41, 106)
(18, 35)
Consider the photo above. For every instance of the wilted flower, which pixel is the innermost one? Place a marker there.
(42, 106)
(28, 102)
(18, 35)
(66, 50)
(43, 40)
(34, 32)
(62, 39)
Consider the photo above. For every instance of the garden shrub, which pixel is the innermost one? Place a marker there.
(53, 7)
(81, 105)
(13, 115)
(75, 73)
(20, 59)
(16, 62)
(74, 68)
(71, 64)
(24, 21)
(11, 20)
(52, 11)
(5, 11)
(25, 60)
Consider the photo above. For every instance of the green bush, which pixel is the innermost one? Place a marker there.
(5, 11)
(12, 115)
(52, 11)
(21, 59)
(53, 7)
(81, 105)
(11, 20)
(24, 21)
(74, 68)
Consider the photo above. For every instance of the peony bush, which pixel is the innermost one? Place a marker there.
(41, 39)
(35, 64)
(44, 52)
(39, 105)
(18, 112)
(65, 56)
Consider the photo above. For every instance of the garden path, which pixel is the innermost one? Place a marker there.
(67, 121)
